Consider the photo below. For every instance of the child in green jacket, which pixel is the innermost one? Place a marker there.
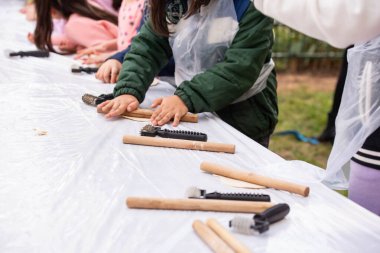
(223, 65)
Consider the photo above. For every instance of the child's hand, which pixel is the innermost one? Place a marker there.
(67, 46)
(97, 49)
(30, 12)
(31, 37)
(109, 71)
(170, 107)
(119, 105)
(96, 59)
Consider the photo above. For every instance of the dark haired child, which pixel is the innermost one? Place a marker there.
(222, 51)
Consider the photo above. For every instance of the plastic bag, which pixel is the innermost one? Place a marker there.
(359, 112)
(201, 41)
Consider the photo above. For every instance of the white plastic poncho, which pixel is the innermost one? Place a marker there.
(359, 112)
(201, 41)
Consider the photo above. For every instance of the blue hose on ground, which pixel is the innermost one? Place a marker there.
(298, 136)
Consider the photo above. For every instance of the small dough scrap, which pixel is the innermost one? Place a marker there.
(40, 132)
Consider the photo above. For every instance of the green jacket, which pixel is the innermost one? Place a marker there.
(215, 89)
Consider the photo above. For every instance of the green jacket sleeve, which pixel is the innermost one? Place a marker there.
(149, 53)
(220, 85)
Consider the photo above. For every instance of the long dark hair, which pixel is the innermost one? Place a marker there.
(158, 14)
(116, 4)
(44, 27)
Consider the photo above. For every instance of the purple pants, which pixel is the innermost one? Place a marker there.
(364, 187)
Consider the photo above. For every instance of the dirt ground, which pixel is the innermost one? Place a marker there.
(317, 82)
(304, 101)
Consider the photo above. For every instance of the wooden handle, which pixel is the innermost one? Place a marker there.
(198, 205)
(146, 113)
(176, 143)
(254, 178)
(231, 241)
(210, 238)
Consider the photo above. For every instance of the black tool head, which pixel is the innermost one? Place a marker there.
(75, 69)
(34, 53)
(38, 53)
(149, 130)
(261, 226)
(194, 192)
(89, 99)
(9, 53)
(107, 96)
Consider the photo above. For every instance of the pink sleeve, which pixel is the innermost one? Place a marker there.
(87, 32)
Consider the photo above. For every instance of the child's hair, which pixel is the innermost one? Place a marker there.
(158, 13)
(44, 27)
(116, 4)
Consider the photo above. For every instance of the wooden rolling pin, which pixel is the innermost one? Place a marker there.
(254, 178)
(210, 238)
(176, 143)
(231, 241)
(198, 205)
(146, 113)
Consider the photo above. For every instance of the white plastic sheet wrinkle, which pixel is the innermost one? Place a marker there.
(66, 191)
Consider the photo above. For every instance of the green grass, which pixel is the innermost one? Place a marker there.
(303, 108)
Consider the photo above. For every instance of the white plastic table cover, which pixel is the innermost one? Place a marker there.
(66, 191)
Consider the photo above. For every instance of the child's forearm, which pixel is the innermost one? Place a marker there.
(110, 45)
(146, 57)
